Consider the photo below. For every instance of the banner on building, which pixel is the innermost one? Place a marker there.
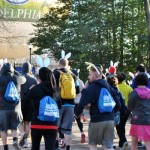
(24, 10)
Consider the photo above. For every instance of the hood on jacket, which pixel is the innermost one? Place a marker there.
(143, 93)
(26, 67)
(7, 67)
(101, 82)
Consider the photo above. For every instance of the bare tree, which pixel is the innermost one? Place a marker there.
(7, 28)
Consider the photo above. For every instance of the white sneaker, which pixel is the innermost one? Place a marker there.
(16, 145)
(26, 144)
(22, 140)
(125, 146)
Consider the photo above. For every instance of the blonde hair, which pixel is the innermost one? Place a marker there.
(98, 68)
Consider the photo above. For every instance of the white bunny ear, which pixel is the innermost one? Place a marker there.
(106, 70)
(46, 62)
(131, 75)
(116, 64)
(5, 60)
(39, 61)
(111, 63)
(78, 70)
(129, 82)
(62, 54)
(1, 63)
(68, 55)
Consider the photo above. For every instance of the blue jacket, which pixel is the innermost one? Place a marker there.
(91, 95)
(133, 85)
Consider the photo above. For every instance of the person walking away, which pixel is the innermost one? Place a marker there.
(140, 68)
(10, 105)
(67, 110)
(25, 125)
(76, 100)
(46, 128)
(101, 123)
(139, 105)
(120, 126)
(124, 88)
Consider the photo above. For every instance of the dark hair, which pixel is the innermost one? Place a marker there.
(121, 77)
(99, 66)
(46, 75)
(111, 80)
(140, 68)
(141, 79)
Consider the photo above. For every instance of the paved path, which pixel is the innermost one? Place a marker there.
(76, 145)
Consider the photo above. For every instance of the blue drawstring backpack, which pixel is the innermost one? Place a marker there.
(11, 93)
(106, 102)
(48, 109)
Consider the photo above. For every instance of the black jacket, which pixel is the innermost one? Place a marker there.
(90, 95)
(124, 109)
(30, 79)
(34, 95)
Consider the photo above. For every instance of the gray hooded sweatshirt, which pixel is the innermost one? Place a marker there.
(139, 105)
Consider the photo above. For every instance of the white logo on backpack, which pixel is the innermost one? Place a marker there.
(106, 102)
(50, 110)
(11, 93)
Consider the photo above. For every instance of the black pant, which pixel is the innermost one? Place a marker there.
(78, 120)
(121, 129)
(49, 138)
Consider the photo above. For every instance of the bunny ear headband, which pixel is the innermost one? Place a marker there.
(65, 56)
(42, 63)
(112, 68)
(78, 70)
(90, 65)
(131, 75)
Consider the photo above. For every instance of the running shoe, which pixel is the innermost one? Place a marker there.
(23, 138)
(16, 145)
(82, 138)
(124, 147)
(62, 143)
(26, 144)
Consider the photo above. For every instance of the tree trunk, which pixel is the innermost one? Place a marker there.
(121, 65)
(147, 11)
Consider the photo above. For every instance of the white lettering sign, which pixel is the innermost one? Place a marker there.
(20, 14)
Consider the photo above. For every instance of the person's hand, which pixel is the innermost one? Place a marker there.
(89, 105)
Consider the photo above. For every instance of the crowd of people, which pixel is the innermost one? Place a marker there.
(71, 96)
